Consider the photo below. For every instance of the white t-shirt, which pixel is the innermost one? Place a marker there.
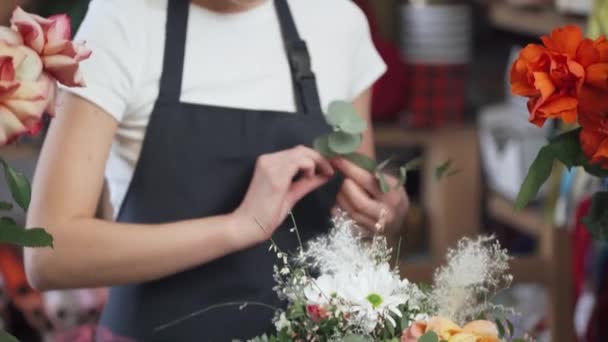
(232, 60)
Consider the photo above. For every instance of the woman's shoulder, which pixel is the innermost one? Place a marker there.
(342, 17)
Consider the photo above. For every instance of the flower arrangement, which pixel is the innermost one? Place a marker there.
(566, 79)
(36, 54)
(342, 287)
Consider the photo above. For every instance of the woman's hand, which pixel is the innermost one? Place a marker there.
(273, 191)
(365, 202)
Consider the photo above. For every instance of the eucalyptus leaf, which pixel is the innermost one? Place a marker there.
(429, 337)
(413, 164)
(362, 161)
(11, 233)
(356, 338)
(383, 183)
(340, 112)
(18, 184)
(321, 145)
(442, 169)
(344, 143)
(353, 125)
(6, 337)
(402, 176)
(596, 220)
(5, 206)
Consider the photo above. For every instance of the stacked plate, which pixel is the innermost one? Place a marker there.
(436, 34)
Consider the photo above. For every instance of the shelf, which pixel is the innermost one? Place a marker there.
(530, 21)
(529, 221)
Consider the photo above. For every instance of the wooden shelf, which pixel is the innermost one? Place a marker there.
(530, 21)
(529, 221)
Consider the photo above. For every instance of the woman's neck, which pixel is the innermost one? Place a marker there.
(228, 6)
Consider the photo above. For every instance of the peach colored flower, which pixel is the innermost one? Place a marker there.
(414, 332)
(51, 39)
(24, 91)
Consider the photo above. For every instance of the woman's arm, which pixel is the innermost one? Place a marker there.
(89, 252)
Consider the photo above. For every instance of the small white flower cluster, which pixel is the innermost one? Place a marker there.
(475, 271)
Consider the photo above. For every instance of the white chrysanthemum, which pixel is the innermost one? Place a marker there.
(282, 322)
(321, 290)
(373, 294)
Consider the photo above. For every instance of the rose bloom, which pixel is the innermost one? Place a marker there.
(51, 39)
(565, 75)
(594, 138)
(476, 331)
(316, 313)
(24, 89)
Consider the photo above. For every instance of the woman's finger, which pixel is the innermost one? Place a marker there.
(363, 203)
(362, 220)
(362, 177)
(322, 163)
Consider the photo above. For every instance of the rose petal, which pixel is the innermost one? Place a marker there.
(564, 40)
(29, 28)
(10, 126)
(64, 69)
(444, 327)
(60, 29)
(481, 328)
(10, 36)
(414, 331)
(463, 337)
(63, 47)
(593, 100)
(587, 53)
(560, 107)
(31, 91)
(30, 67)
(26, 111)
(7, 70)
(7, 88)
(13, 51)
(597, 75)
(545, 86)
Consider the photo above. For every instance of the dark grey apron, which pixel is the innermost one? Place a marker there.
(197, 161)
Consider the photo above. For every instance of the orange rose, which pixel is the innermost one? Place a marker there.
(564, 76)
(51, 39)
(414, 332)
(476, 331)
(24, 91)
(594, 138)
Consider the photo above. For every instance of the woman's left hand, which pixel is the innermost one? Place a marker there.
(362, 198)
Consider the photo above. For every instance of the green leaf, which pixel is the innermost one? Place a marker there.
(362, 161)
(6, 337)
(501, 328)
(413, 164)
(442, 169)
(18, 184)
(11, 233)
(355, 338)
(510, 328)
(383, 183)
(596, 220)
(339, 112)
(344, 143)
(353, 125)
(538, 173)
(429, 337)
(402, 176)
(5, 206)
(321, 145)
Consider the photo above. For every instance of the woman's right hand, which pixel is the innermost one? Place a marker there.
(273, 191)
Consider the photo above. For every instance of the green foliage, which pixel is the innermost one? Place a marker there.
(596, 220)
(501, 328)
(6, 337)
(343, 143)
(356, 338)
(429, 337)
(10, 231)
(567, 149)
(18, 184)
(445, 170)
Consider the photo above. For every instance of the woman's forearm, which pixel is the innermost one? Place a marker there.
(92, 253)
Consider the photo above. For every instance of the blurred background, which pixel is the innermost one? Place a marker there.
(445, 96)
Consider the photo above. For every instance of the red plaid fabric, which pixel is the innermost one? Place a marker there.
(437, 95)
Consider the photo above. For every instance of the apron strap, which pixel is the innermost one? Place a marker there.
(304, 80)
(176, 29)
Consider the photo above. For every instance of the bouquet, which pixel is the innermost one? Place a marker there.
(566, 79)
(342, 287)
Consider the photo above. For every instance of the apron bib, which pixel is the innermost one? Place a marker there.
(198, 161)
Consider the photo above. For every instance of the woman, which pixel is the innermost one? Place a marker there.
(199, 111)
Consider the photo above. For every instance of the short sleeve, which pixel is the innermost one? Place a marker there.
(367, 64)
(111, 29)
